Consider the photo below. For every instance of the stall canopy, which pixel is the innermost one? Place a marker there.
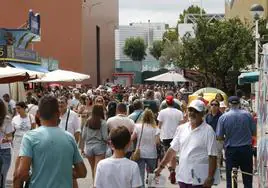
(168, 77)
(248, 77)
(10, 74)
(31, 67)
(62, 76)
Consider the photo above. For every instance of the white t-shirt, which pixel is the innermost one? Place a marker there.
(22, 125)
(121, 120)
(195, 147)
(117, 173)
(74, 124)
(32, 109)
(170, 118)
(5, 129)
(148, 139)
(10, 106)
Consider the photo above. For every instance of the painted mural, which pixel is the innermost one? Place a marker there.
(263, 121)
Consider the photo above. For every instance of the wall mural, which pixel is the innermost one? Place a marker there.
(263, 122)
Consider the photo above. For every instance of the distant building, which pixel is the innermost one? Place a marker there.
(150, 32)
(80, 34)
(241, 8)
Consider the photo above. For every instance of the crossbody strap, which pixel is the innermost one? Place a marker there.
(141, 135)
(68, 114)
(138, 116)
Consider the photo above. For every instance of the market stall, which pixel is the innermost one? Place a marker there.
(62, 76)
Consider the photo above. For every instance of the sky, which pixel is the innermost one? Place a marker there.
(165, 11)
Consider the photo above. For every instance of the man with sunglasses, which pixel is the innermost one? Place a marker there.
(196, 143)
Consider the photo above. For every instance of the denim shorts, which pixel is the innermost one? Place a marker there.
(95, 149)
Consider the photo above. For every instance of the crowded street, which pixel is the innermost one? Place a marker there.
(134, 94)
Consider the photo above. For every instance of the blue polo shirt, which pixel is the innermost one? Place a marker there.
(213, 120)
(136, 115)
(237, 127)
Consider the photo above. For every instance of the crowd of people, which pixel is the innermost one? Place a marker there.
(125, 134)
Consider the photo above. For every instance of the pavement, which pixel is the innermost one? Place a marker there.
(88, 182)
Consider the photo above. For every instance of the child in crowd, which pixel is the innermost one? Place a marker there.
(118, 171)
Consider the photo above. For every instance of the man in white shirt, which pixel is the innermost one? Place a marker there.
(196, 143)
(11, 106)
(69, 120)
(121, 119)
(169, 119)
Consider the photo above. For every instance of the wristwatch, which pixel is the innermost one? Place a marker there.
(162, 167)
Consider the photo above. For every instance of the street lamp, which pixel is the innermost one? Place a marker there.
(257, 12)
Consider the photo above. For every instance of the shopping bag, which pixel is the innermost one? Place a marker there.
(154, 181)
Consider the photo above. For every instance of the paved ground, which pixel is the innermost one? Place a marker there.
(87, 182)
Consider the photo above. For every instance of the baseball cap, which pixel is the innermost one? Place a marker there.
(197, 105)
(169, 99)
(234, 100)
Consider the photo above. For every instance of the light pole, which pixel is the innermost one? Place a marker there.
(257, 12)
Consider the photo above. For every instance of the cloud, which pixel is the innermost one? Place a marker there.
(166, 11)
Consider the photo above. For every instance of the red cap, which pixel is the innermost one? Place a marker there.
(169, 100)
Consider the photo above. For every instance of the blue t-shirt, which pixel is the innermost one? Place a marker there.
(53, 152)
(237, 127)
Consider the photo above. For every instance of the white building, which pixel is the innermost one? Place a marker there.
(150, 32)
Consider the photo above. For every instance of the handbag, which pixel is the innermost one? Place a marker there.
(137, 153)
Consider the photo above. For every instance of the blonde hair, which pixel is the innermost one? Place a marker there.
(149, 118)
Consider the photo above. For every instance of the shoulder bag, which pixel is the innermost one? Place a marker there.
(68, 115)
(136, 154)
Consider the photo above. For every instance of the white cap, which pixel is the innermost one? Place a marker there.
(222, 104)
(197, 105)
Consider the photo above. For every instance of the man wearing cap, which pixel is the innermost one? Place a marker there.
(176, 104)
(236, 128)
(169, 119)
(196, 143)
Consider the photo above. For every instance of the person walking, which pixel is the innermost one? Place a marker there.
(6, 131)
(147, 135)
(118, 171)
(21, 123)
(50, 152)
(196, 143)
(236, 128)
(136, 116)
(94, 136)
(69, 120)
(121, 119)
(169, 119)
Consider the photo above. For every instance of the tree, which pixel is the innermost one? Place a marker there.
(156, 49)
(170, 35)
(135, 49)
(218, 49)
(191, 10)
(171, 53)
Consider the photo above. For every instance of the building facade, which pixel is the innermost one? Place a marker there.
(241, 8)
(150, 32)
(76, 33)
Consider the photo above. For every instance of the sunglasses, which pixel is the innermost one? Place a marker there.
(214, 104)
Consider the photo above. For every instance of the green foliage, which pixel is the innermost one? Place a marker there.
(171, 53)
(171, 35)
(263, 31)
(216, 50)
(156, 49)
(191, 10)
(135, 49)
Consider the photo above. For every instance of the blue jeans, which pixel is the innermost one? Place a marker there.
(239, 157)
(150, 166)
(5, 157)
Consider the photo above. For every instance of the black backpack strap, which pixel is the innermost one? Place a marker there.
(68, 114)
